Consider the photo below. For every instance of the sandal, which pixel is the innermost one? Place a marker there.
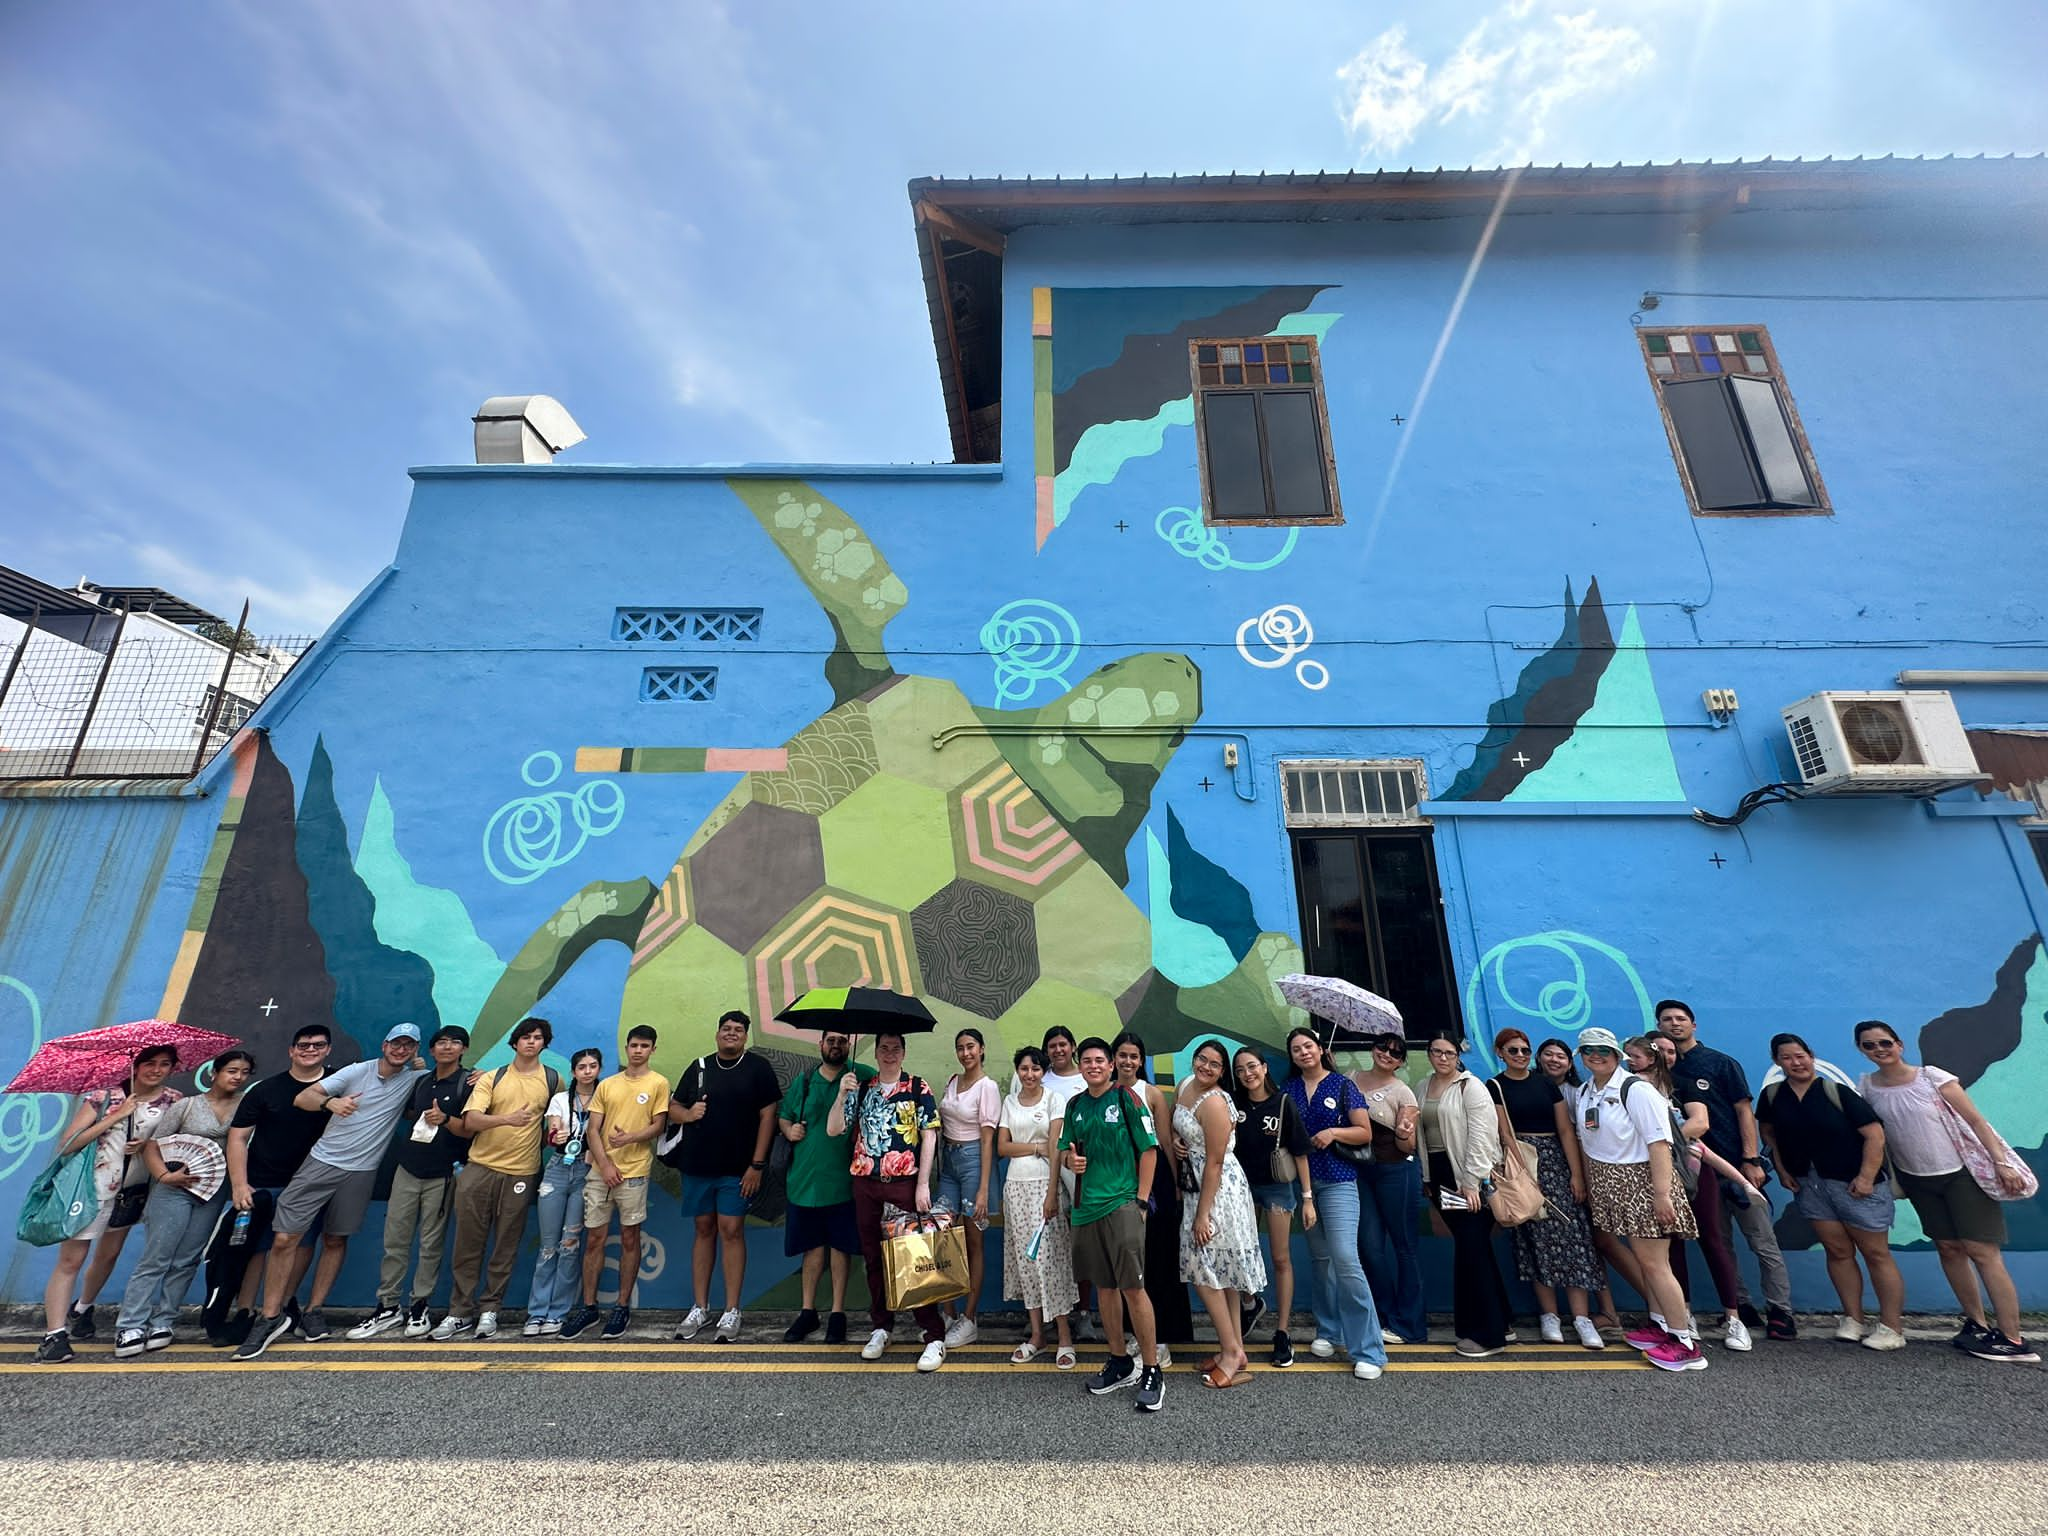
(1025, 1354)
(1212, 1376)
(1066, 1358)
(1208, 1365)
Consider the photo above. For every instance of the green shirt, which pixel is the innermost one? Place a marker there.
(1110, 1131)
(818, 1165)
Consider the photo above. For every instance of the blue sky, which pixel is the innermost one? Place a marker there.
(263, 257)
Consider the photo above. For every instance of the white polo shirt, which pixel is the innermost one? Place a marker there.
(1618, 1134)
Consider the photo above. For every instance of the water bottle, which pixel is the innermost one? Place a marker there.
(238, 1236)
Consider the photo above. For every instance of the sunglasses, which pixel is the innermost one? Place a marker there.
(1877, 1045)
(1514, 1050)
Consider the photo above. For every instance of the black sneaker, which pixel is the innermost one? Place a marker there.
(1751, 1318)
(1996, 1346)
(1249, 1312)
(1780, 1326)
(1151, 1390)
(835, 1328)
(236, 1329)
(79, 1324)
(128, 1343)
(312, 1325)
(265, 1332)
(578, 1320)
(1118, 1372)
(805, 1325)
(1971, 1333)
(1283, 1351)
(615, 1325)
(55, 1349)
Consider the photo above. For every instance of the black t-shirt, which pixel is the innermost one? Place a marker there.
(1532, 1103)
(1710, 1077)
(1267, 1125)
(284, 1133)
(721, 1145)
(1813, 1135)
(434, 1159)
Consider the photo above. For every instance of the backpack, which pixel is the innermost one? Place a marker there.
(668, 1146)
(1688, 1167)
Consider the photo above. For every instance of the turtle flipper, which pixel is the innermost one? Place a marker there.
(603, 909)
(844, 571)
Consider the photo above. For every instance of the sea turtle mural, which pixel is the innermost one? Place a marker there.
(910, 839)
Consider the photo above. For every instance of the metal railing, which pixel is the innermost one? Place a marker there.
(144, 699)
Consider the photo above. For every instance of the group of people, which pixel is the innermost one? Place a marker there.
(1116, 1194)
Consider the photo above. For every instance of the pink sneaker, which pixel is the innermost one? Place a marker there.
(1671, 1355)
(1647, 1338)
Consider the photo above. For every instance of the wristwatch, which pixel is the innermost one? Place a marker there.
(757, 1167)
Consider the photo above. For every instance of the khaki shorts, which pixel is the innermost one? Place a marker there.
(1111, 1252)
(599, 1201)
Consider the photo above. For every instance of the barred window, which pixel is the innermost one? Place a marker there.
(1338, 792)
(668, 626)
(679, 685)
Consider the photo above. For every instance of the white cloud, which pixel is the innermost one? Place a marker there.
(1509, 75)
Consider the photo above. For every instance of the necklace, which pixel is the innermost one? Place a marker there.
(725, 1066)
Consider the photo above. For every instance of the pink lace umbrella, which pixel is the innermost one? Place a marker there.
(100, 1058)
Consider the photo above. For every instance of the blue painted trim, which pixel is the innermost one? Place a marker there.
(1436, 808)
(709, 471)
(2002, 808)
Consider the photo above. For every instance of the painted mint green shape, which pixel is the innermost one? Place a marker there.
(2009, 1092)
(1185, 953)
(1619, 750)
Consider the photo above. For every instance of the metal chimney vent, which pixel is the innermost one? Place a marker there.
(523, 429)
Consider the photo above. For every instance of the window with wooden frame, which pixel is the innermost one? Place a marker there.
(1262, 431)
(1733, 427)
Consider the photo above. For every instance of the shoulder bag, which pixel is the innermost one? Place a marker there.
(1515, 1195)
(1983, 1162)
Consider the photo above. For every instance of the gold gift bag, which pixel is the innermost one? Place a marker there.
(924, 1267)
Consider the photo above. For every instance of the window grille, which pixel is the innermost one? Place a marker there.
(679, 685)
(670, 626)
(1335, 792)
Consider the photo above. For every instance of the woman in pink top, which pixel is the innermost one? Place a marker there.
(967, 1127)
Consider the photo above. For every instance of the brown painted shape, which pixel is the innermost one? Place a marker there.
(754, 871)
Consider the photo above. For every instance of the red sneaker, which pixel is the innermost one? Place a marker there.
(1672, 1355)
(1647, 1337)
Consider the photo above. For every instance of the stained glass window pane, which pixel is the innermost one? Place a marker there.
(1751, 341)
(1205, 354)
(1230, 354)
(1702, 341)
(1710, 365)
(1212, 374)
(1657, 344)
(1681, 343)
(1687, 363)
(1303, 374)
(1278, 373)
(1658, 364)
(1232, 375)
(1257, 354)
(1724, 342)
(1754, 362)
(1298, 351)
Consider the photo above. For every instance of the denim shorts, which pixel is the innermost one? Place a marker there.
(706, 1196)
(1819, 1199)
(960, 1176)
(1276, 1197)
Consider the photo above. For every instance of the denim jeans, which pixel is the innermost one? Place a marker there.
(960, 1178)
(1342, 1301)
(177, 1228)
(558, 1273)
(1389, 1200)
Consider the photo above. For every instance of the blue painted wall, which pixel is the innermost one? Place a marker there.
(452, 702)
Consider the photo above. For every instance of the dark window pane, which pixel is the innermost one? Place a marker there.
(1255, 354)
(2039, 840)
(1333, 896)
(1230, 426)
(1298, 351)
(1232, 374)
(1205, 354)
(1687, 363)
(1303, 374)
(1212, 374)
(1411, 946)
(1657, 344)
(1770, 436)
(1294, 454)
(1712, 440)
(1751, 342)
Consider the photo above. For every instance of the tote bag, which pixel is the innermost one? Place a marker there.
(62, 1201)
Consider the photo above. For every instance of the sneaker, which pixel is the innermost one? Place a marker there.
(487, 1326)
(1322, 1349)
(615, 1325)
(1676, 1355)
(693, 1323)
(805, 1325)
(1970, 1333)
(1992, 1346)
(728, 1325)
(452, 1327)
(962, 1330)
(160, 1339)
(578, 1319)
(1250, 1309)
(1551, 1329)
(933, 1357)
(237, 1328)
(1389, 1336)
(417, 1323)
(55, 1349)
(79, 1325)
(1511, 1337)
(1751, 1318)
(1848, 1330)
(530, 1329)
(1165, 1356)
(1736, 1336)
(1472, 1349)
(263, 1333)
(550, 1328)
(383, 1320)
(1645, 1338)
(1152, 1389)
(1117, 1372)
(1365, 1370)
(1283, 1351)
(1884, 1337)
(128, 1343)
(312, 1325)
(1588, 1334)
(1781, 1326)
(877, 1342)
(835, 1328)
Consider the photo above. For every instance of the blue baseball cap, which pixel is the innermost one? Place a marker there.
(403, 1032)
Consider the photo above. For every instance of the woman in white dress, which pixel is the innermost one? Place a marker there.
(1043, 1280)
(1219, 1230)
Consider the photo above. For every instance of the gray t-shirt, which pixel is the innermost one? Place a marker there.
(356, 1142)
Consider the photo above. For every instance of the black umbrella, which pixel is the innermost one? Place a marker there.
(859, 1011)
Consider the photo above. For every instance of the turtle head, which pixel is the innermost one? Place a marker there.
(1153, 692)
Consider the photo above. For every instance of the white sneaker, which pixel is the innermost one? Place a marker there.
(1165, 1357)
(451, 1327)
(1884, 1337)
(1589, 1335)
(1848, 1330)
(1391, 1337)
(962, 1330)
(1365, 1370)
(1551, 1329)
(728, 1325)
(933, 1357)
(417, 1324)
(531, 1330)
(1736, 1336)
(693, 1323)
(1322, 1349)
(877, 1342)
(487, 1326)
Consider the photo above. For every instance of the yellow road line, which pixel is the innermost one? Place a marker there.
(611, 1347)
(727, 1367)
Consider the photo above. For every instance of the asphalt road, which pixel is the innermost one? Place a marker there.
(527, 1435)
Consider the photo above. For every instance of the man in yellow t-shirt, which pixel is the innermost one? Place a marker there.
(628, 1111)
(506, 1119)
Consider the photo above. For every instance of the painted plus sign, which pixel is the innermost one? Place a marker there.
(1206, 786)
(268, 1008)
(1716, 860)
(1521, 759)
(1398, 418)
(1121, 525)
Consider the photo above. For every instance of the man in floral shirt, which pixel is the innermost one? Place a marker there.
(895, 1120)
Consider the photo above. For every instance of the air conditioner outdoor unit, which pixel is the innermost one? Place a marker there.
(1899, 743)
